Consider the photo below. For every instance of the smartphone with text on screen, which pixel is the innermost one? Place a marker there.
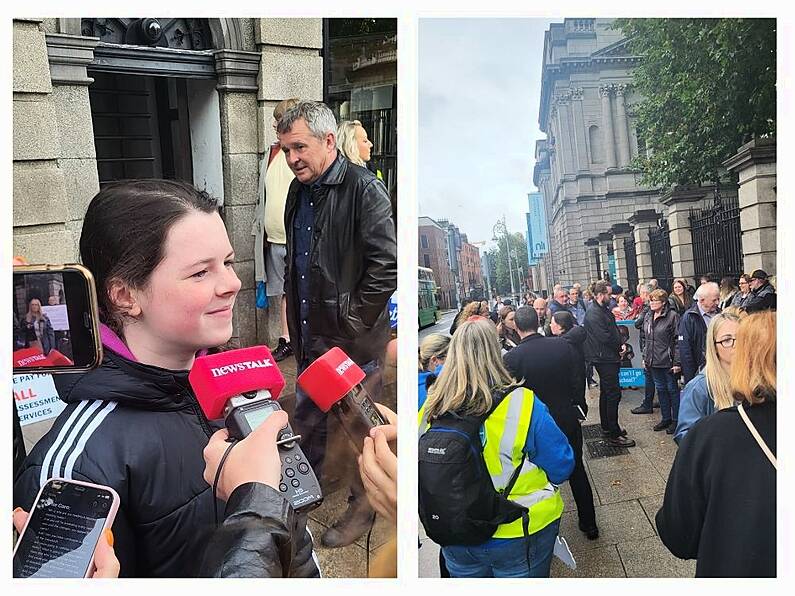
(66, 522)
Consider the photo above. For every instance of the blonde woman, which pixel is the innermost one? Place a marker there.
(720, 499)
(432, 353)
(38, 329)
(709, 390)
(475, 383)
(352, 141)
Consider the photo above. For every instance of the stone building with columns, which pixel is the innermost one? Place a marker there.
(600, 218)
(103, 99)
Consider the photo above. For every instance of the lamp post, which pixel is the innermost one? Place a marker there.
(501, 228)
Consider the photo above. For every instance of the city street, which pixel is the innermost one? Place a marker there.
(446, 318)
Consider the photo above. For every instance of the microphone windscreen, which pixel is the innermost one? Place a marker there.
(217, 377)
(329, 378)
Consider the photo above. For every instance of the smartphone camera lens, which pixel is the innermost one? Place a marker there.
(94, 504)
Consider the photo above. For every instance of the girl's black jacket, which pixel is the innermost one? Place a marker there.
(139, 429)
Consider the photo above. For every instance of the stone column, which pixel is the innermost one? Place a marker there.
(592, 246)
(755, 164)
(555, 156)
(40, 205)
(642, 221)
(567, 145)
(624, 152)
(237, 94)
(607, 126)
(291, 66)
(620, 232)
(578, 123)
(605, 241)
(680, 200)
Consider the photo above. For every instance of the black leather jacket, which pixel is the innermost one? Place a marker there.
(352, 265)
(603, 340)
(256, 538)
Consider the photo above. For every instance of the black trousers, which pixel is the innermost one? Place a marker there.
(578, 481)
(609, 396)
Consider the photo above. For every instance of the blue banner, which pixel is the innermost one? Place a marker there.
(392, 304)
(631, 377)
(530, 259)
(537, 226)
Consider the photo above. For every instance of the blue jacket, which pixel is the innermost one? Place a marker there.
(422, 389)
(696, 403)
(692, 342)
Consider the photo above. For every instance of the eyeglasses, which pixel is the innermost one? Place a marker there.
(727, 342)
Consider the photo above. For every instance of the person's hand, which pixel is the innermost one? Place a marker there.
(254, 459)
(106, 565)
(676, 369)
(378, 466)
(623, 350)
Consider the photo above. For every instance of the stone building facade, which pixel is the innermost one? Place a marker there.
(216, 80)
(600, 218)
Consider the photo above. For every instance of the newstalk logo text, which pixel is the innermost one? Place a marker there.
(238, 366)
(346, 364)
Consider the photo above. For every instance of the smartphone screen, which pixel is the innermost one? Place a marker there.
(54, 322)
(63, 530)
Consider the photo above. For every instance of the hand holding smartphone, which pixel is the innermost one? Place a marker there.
(64, 531)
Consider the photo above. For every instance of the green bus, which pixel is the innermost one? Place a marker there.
(427, 305)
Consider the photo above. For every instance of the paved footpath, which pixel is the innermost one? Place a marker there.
(628, 491)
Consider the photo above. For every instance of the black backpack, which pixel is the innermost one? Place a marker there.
(457, 500)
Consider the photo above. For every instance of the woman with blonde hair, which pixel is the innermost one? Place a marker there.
(470, 310)
(720, 499)
(709, 390)
(432, 353)
(38, 329)
(352, 141)
(512, 432)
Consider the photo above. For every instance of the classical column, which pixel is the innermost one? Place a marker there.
(594, 266)
(578, 123)
(642, 221)
(555, 156)
(624, 152)
(620, 232)
(567, 145)
(605, 241)
(680, 200)
(755, 164)
(607, 126)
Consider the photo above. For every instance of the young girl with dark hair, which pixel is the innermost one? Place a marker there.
(166, 287)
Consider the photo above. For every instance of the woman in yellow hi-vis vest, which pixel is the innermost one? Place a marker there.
(519, 433)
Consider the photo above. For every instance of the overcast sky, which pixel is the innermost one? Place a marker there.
(479, 89)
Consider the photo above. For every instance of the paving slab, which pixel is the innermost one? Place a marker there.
(650, 558)
(635, 458)
(348, 561)
(628, 483)
(651, 505)
(429, 558)
(618, 522)
(600, 562)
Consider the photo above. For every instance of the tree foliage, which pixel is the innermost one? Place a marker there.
(518, 247)
(707, 86)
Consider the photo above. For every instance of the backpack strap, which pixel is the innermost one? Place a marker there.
(757, 436)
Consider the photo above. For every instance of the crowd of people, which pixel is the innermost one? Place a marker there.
(709, 357)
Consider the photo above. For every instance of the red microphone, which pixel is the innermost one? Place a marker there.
(242, 386)
(218, 378)
(333, 383)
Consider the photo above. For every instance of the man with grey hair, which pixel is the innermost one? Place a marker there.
(341, 271)
(693, 329)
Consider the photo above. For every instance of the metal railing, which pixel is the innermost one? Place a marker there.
(717, 239)
(632, 262)
(660, 244)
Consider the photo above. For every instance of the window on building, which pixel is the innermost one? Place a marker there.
(427, 260)
(424, 241)
(597, 146)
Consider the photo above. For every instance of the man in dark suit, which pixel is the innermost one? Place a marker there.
(546, 365)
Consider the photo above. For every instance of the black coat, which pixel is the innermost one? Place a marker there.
(142, 433)
(603, 340)
(352, 265)
(720, 499)
(763, 298)
(692, 341)
(256, 538)
(575, 337)
(660, 348)
(545, 364)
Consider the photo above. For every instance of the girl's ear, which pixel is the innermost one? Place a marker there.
(124, 298)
